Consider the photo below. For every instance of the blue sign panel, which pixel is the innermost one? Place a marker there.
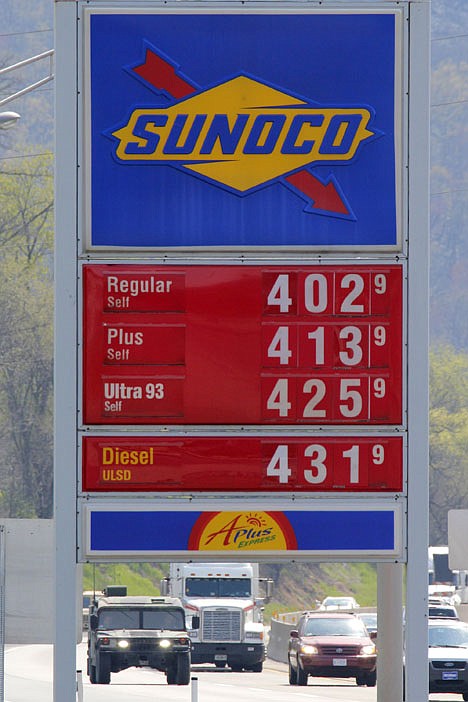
(135, 530)
(243, 130)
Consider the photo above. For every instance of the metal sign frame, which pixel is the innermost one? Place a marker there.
(72, 245)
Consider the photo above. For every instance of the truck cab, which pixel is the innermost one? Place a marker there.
(224, 612)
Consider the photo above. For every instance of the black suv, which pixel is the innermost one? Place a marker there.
(138, 631)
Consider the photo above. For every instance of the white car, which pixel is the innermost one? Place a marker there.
(330, 603)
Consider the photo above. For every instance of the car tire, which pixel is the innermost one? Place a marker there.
(92, 674)
(103, 670)
(236, 668)
(292, 675)
(360, 680)
(371, 679)
(257, 667)
(171, 674)
(220, 664)
(183, 670)
(301, 676)
(465, 696)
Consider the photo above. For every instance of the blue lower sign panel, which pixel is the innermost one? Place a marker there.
(371, 529)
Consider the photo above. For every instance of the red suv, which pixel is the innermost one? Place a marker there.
(331, 645)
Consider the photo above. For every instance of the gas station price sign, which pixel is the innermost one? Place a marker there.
(241, 344)
(274, 464)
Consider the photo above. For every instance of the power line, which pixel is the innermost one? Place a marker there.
(31, 31)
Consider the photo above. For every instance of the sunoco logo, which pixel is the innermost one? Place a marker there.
(243, 135)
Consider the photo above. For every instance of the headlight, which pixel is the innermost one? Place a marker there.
(309, 649)
(368, 650)
(254, 635)
(165, 643)
(123, 643)
(193, 634)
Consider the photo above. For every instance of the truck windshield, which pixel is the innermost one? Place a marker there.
(217, 587)
(131, 618)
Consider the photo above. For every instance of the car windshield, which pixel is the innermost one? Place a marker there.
(134, 618)
(448, 636)
(217, 587)
(334, 627)
(442, 612)
(369, 619)
(338, 602)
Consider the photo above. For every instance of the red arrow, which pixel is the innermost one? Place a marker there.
(163, 76)
(323, 195)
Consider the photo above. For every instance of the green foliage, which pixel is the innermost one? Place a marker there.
(26, 343)
(448, 438)
(140, 578)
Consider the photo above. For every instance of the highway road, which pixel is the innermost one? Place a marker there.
(28, 678)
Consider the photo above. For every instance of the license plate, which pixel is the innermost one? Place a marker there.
(220, 657)
(340, 661)
(450, 675)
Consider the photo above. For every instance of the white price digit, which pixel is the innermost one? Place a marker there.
(279, 346)
(154, 391)
(353, 353)
(315, 293)
(318, 472)
(318, 335)
(279, 293)
(380, 336)
(378, 454)
(379, 387)
(317, 388)
(352, 398)
(353, 455)
(278, 400)
(380, 283)
(356, 283)
(278, 466)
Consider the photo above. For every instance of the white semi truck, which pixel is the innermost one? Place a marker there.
(224, 611)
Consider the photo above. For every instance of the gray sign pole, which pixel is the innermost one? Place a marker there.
(416, 635)
(65, 353)
(2, 613)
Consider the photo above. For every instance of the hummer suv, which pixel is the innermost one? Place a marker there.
(138, 631)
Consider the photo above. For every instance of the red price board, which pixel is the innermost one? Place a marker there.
(239, 344)
(240, 464)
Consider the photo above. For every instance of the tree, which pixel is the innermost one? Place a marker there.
(448, 438)
(26, 367)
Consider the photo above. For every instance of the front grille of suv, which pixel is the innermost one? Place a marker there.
(221, 625)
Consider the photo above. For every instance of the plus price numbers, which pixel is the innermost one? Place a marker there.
(242, 344)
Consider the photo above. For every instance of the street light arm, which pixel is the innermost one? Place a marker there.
(45, 54)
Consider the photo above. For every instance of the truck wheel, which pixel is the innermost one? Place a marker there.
(171, 674)
(183, 670)
(292, 675)
(257, 667)
(301, 676)
(103, 674)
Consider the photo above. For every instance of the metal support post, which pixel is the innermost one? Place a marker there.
(390, 632)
